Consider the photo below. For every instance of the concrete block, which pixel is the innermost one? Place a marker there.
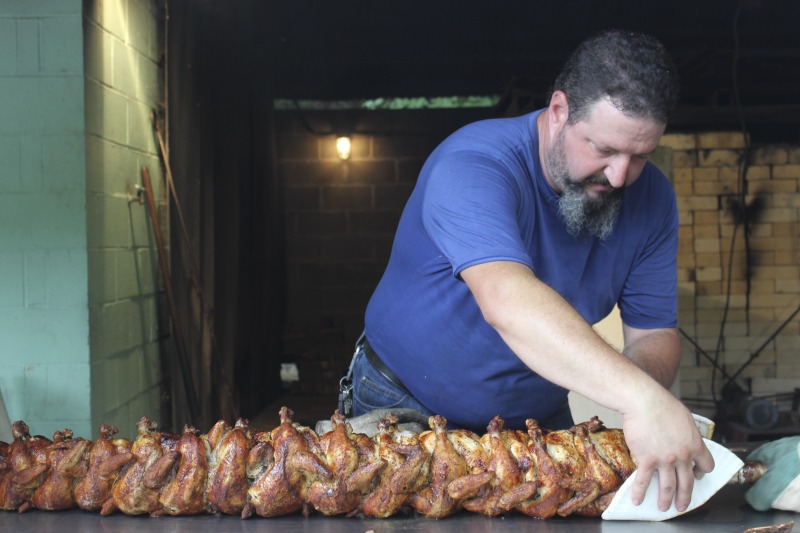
(769, 155)
(111, 331)
(392, 197)
(52, 106)
(786, 172)
(98, 66)
(8, 43)
(130, 366)
(348, 198)
(52, 220)
(108, 221)
(62, 45)
(759, 172)
(113, 17)
(106, 114)
(12, 283)
(698, 203)
(63, 163)
(148, 274)
(678, 141)
(719, 158)
(11, 173)
(705, 174)
(125, 67)
(721, 139)
(144, 28)
(684, 158)
(140, 133)
(32, 164)
(67, 393)
(302, 147)
(372, 172)
(66, 277)
(102, 276)
(27, 46)
(713, 188)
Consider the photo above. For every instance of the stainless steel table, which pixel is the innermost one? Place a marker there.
(726, 512)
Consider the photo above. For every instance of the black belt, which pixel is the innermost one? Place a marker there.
(378, 365)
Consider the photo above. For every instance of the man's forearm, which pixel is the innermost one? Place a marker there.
(552, 338)
(656, 351)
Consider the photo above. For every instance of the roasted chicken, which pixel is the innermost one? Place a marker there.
(281, 488)
(27, 464)
(106, 457)
(67, 460)
(227, 466)
(353, 465)
(405, 471)
(447, 465)
(185, 494)
(236, 470)
(138, 488)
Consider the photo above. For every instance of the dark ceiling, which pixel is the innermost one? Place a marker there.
(351, 49)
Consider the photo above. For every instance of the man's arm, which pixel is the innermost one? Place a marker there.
(551, 338)
(656, 351)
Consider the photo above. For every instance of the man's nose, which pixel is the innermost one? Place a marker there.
(617, 170)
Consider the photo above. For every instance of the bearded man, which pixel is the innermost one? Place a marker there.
(519, 235)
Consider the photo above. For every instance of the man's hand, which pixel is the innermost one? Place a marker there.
(663, 438)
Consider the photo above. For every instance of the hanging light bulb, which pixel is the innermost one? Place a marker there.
(343, 147)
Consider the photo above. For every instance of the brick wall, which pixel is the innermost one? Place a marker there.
(341, 216)
(737, 290)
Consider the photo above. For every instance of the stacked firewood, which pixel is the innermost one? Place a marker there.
(291, 469)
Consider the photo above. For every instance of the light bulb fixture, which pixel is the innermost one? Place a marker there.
(343, 147)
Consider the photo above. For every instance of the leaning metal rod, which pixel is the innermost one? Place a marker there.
(188, 382)
(193, 265)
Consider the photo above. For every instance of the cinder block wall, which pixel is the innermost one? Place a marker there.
(44, 358)
(341, 216)
(738, 292)
(123, 84)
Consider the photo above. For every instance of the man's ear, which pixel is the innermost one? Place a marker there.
(558, 109)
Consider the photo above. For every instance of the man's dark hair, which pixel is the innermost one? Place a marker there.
(633, 70)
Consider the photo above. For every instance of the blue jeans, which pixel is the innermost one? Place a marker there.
(372, 390)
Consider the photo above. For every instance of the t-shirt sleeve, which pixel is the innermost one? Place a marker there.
(470, 210)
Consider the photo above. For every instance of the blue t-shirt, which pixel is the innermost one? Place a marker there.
(481, 196)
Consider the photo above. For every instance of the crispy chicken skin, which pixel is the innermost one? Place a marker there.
(405, 471)
(353, 466)
(185, 494)
(106, 458)
(502, 483)
(227, 476)
(447, 465)
(27, 464)
(137, 489)
(67, 460)
(279, 490)
(292, 469)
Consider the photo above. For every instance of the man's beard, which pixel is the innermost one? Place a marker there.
(582, 212)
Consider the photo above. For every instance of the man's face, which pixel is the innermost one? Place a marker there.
(591, 162)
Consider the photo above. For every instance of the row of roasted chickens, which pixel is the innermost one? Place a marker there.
(240, 471)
